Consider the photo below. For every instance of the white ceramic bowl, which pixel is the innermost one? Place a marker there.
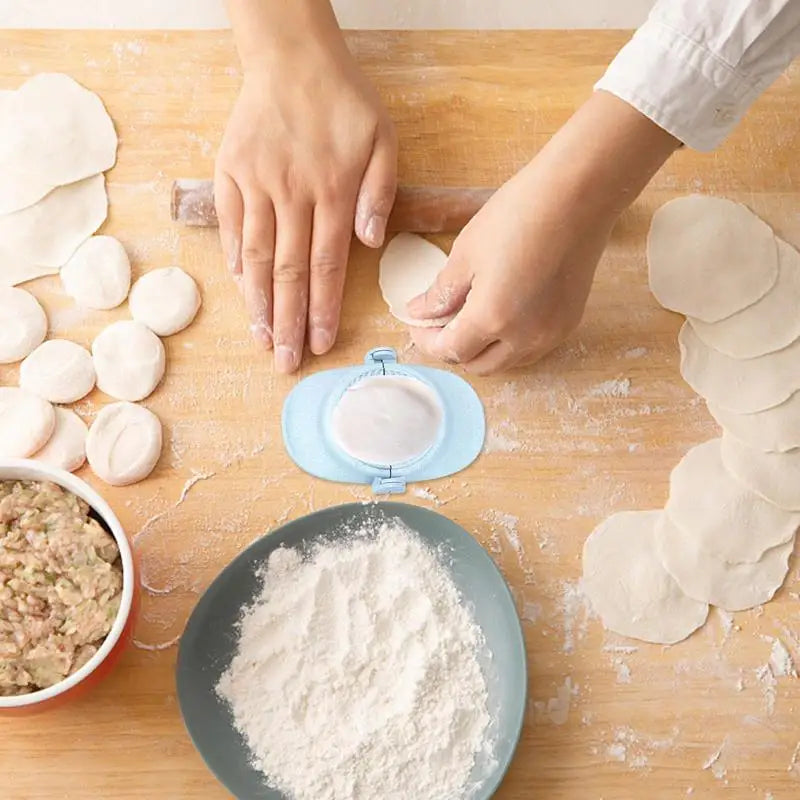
(120, 634)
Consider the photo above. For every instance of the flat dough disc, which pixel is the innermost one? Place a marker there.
(707, 578)
(768, 325)
(387, 420)
(692, 239)
(67, 446)
(99, 273)
(629, 588)
(773, 476)
(53, 132)
(124, 443)
(26, 422)
(409, 266)
(166, 300)
(741, 385)
(59, 371)
(129, 360)
(774, 429)
(49, 232)
(23, 324)
(14, 270)
(721, 514)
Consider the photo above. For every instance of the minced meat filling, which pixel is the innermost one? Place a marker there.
(60, 585)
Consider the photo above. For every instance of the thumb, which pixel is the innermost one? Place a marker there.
(447, 294)
(378, 187)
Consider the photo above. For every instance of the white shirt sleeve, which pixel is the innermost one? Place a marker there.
(696, 66)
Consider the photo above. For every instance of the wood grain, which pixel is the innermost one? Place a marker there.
(563, 453)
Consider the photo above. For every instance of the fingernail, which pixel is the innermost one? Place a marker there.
(320, 340)
(375, 230)
(285, 361)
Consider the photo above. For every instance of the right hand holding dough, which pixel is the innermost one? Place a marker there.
(519, 274)
(308, 156)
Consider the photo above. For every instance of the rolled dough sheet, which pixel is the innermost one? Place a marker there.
(629, 588)
(770, 324)
(773, 476)
(741, 385)
(707, 578)
(387, 420)
(692, 239)
(49, 232)
(53, 132)
(409, 266)
(14, 270)
(774, 429)
(721, 514)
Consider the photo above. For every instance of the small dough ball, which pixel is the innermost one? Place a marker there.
(775, 429)
(26, 422)
(124, 443)
(743, 385)
(23, 324)
(58, 370)
(691, 239)
(409, 266)
(166, 300)
(773, 476)
(629, 588)
(708, 578)
(721, 514)
(766, 326)
(129, 360)
(67, 446)
(99, 273)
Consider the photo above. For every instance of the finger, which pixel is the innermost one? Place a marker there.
(330, 246)
(258, 255)
(230, 213)
(290, 284)
(378, 188)
(496, 357)
(448, 293)
(461, 340)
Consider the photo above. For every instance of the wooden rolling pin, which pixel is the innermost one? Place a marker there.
(417, 209)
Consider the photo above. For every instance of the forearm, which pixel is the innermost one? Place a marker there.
(269, 30)
(604, 156)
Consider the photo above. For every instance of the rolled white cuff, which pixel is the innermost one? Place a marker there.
(682, 86)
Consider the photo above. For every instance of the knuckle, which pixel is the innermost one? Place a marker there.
(255, 256)
(326, 266)
(289, 271)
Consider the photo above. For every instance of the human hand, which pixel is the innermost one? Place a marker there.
(309, 155)
(520, 272)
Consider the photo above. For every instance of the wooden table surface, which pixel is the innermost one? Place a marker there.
(608, 718)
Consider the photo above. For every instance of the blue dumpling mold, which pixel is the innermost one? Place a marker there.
(308, 439)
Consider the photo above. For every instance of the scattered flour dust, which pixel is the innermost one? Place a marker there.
(357, 673)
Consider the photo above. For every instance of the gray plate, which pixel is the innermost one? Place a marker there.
(210, 638)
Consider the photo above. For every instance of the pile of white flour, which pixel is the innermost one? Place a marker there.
(356, 675)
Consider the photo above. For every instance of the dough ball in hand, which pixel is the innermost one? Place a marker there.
(165, 300)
